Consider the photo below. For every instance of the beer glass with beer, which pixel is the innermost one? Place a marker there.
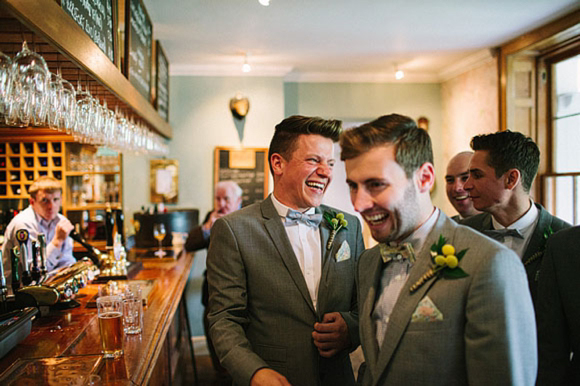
(159, 234)
(110, 312)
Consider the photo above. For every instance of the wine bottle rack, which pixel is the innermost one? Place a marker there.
(23, 162)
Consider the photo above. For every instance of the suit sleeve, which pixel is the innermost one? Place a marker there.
(351, 317)
(500, 331)
(196, 239)
(553, 341)
(228, 315)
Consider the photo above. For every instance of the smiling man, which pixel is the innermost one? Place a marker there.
(42, 216)
(457, 174)
(282, 305)
(467, 320)
(501, 174)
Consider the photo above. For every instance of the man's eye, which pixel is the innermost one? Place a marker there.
(449, 180)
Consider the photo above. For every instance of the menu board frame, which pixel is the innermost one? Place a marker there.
(81, 16)
(128, 69)
(160, 56)
(250, 188)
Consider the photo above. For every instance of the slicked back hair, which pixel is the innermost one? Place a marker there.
(288, 131)
(412, 144)
(510, 150)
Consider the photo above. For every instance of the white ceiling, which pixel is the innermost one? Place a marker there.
(340, 40)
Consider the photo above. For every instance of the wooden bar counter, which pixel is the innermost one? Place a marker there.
(149, 358)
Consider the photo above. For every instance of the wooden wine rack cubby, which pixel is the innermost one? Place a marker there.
(21, 163)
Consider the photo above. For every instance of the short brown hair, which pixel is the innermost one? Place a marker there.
(290, 129)
(412, 144)
(45, 183)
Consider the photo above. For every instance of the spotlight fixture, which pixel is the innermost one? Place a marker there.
(246, 66)
(399, 74)
(265, 3)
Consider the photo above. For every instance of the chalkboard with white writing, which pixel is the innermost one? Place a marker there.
(162, 83)
(95, 17)
(138, 47)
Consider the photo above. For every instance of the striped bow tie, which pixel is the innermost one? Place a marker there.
(400, 252)
(501, 234)
(294, 217)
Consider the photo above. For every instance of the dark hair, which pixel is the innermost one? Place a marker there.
(412, 144)
(510, 150)
(288, 131)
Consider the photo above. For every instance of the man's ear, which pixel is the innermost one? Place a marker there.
(425, 176)
(277, 162)
(512, 178)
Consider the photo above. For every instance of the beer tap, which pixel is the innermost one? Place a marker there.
(120, 220)
(35, 268)
(3, 288)
(42, 250)
(15, 261)
(22, 236)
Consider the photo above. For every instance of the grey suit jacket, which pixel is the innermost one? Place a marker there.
(260, 310)
(488, 332)
(534, 252)
(558, 310)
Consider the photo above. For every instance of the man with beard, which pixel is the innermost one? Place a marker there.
(457, 174)
(438, 303)
(282, 306)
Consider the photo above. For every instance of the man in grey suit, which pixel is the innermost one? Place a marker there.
(501, 174)
(559, 311)
(439, 304)
(282, 306)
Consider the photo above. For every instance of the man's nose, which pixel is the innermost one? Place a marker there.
(324, 170)
(361, 200)
(468, 185)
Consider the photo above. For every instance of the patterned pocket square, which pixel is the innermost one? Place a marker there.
(343, 253)
(426, 311)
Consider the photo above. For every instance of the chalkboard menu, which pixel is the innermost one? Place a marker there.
(95, 17)
(247, 167)
(138, 47)
(162, 83)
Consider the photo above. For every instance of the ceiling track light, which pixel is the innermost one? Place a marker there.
(265, 3)
(399, 74)
(246, 66)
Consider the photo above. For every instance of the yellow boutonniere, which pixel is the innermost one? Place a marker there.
(336, 222)
(445, 263)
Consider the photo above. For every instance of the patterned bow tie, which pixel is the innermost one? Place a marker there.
(294, 217)
(403, 251)
(500, 234)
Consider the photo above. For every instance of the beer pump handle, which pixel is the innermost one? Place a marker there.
(109, 225)
(120, 219)
(3, 288)
(15, 261)
(94, 253)
(42, 250)
(22, 236)
(35, 268)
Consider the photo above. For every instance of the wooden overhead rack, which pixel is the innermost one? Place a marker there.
(65, 46)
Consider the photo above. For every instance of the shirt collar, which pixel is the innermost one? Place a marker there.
(283, 209)
(524, 222)
(418, 237)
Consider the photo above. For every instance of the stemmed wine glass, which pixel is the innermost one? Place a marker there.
(159, 234)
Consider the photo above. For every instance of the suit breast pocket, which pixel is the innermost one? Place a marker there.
(439, 325)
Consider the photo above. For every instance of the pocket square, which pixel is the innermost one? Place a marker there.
(426, 311)
(343, 253)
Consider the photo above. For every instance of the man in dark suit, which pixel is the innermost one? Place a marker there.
(559, 311)
(501, 174)
(429, 313)
(227, 199)
(457, 174)
(283, 307)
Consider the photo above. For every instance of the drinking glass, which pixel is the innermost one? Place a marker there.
(5, 81)
(133, 309)
(159, 234)
(110, 312)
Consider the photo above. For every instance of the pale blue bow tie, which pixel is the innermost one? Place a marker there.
(501, 234)
(294, 217)
(397, 253)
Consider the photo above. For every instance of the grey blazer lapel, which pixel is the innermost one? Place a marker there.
(407, 302)
(280, 240)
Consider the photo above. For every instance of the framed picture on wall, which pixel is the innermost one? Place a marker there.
(163, 178)
(248, 167)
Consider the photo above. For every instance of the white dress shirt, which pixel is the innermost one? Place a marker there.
(525, 225)
(305, 241)
(394, 276)
(34, 224)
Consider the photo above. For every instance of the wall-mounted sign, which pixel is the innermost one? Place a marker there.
(138, 47)
(162, 83)
(96, 18)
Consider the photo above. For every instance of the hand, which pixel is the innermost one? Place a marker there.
(212, 219)
(268, 377)
(331, 335)
(63, 228)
